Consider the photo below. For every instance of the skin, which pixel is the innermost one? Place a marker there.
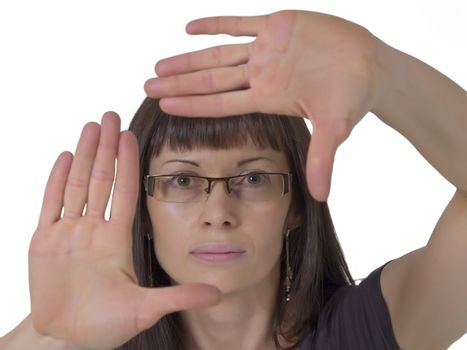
(334, 72)
(249, 286)
(303, 64)
(279, 72)
(82, 280)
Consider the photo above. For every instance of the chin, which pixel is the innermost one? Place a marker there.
(223, 280)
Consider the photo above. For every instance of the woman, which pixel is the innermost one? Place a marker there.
(257, 217)
(334, 72)
(267, 246)
(81, 264)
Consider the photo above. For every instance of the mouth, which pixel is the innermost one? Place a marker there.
(218, 253)
(217, 248)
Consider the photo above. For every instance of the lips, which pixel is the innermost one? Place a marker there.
(217, 248)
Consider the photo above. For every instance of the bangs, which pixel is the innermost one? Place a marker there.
(155, 130)
(185, 134)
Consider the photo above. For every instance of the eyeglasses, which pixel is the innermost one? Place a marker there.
(181, 188)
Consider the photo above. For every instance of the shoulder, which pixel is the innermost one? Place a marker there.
(407, 320)
(392, 279)
(355, 317)
(425, 289)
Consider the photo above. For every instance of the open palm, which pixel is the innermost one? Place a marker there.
(82, 282)
(301, 63)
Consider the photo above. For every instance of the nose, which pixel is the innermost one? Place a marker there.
(217, 209)
(224, 184)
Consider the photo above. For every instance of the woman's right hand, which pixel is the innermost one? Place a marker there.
(82, 282)
(301, 63)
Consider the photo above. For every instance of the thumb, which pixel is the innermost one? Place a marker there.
(155, 303)
(320, 160)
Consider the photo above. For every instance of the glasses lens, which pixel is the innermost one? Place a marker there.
(184, 188)
(257, 187)
(179, 188)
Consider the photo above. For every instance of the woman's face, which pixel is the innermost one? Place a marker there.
(185, 233)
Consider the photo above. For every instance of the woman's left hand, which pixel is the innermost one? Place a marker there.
(301, 63)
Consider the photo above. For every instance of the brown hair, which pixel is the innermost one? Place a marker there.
(318, 263)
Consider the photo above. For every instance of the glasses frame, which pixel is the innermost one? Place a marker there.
(286, 181)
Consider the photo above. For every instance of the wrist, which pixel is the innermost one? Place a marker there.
(387, 71)
(24, 336)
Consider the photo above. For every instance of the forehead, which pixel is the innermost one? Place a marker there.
(207, 157)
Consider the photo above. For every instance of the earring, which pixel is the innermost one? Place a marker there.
(289, 276)
(149, 252)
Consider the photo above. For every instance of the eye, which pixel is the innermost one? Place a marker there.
(183, 181)
(256, 178)
(180, 180)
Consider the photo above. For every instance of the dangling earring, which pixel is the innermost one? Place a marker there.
(289, 276)
(149, 252)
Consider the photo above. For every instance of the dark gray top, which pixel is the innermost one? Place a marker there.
(355, 317)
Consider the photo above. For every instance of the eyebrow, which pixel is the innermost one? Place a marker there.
(240, 163)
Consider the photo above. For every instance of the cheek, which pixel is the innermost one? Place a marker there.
(266, 228)
(166, 218)
(169, 235)
(268, 218)
(267, 242)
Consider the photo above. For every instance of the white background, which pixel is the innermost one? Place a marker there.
(64, 63)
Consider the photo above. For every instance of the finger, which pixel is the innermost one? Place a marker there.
(230, 25)
(76, 190)
(154, 303)
(202, 82)
(125, 192)
(53, 196)
(103, 170)
(217, 105)
(218, 56)
(320, 160)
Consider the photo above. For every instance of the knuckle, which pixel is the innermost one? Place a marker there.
(93, 211)
(176, 84)
(238, 25)
(245, 73)
(77, 182)
(102, 175)
(124, 188)
(71, 214)
(208, 80)
(189, 57)
(217, 25)
(217, 55)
